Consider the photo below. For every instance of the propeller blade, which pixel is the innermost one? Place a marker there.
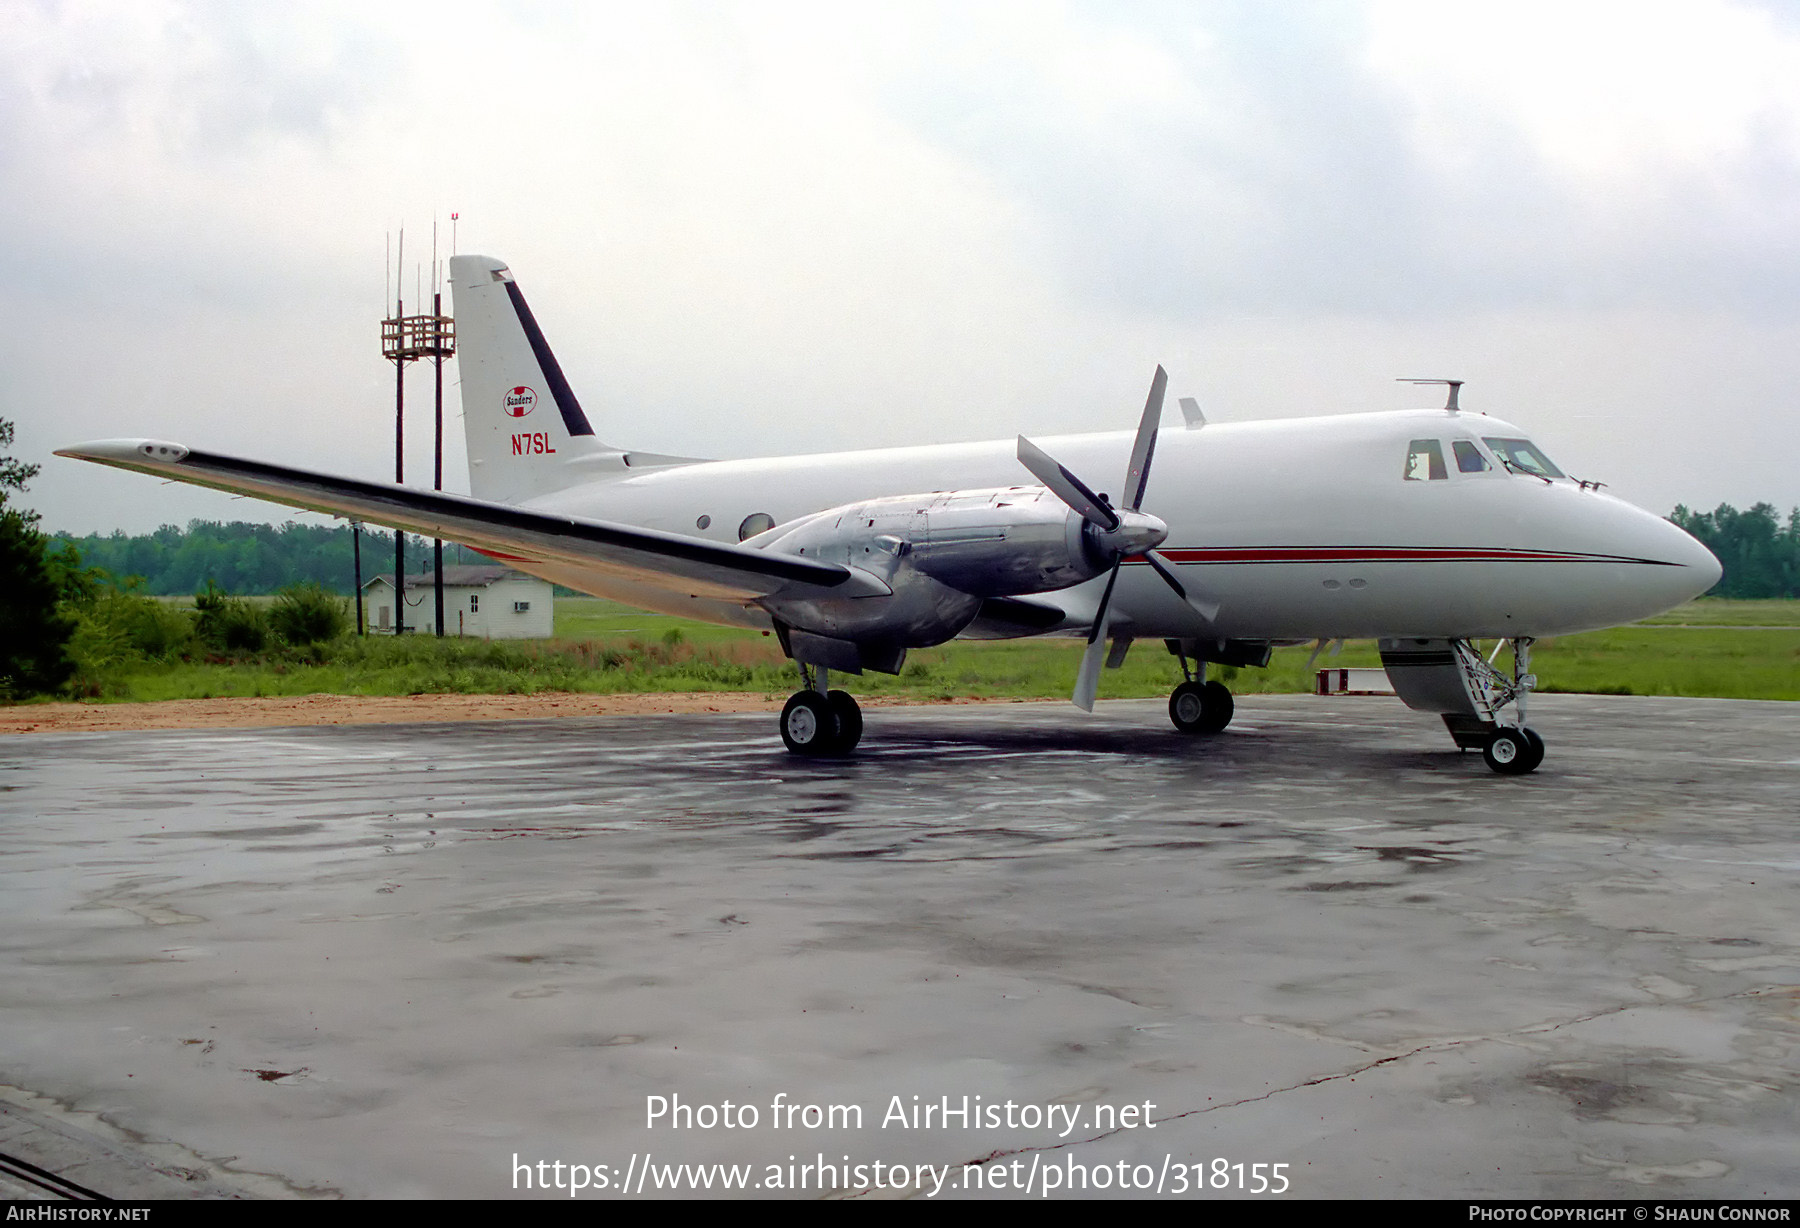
(1208, 610)
(1087, 678)
(1142, 531)
(1137, 472)
(1066, 486)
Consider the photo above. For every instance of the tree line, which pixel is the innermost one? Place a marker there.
(1760, 554)
(252, 558)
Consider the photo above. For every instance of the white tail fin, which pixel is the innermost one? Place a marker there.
(526, 433)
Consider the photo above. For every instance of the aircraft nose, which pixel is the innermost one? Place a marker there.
(1658, 565)
(1687, 568)
(1703, 566)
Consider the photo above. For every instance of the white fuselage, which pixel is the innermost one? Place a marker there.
(1297, 529)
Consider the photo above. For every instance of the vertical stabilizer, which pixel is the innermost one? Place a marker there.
(526, 432)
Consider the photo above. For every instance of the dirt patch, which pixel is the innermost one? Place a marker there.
(381, 710)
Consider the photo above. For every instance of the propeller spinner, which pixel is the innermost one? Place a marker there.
(1121, 532)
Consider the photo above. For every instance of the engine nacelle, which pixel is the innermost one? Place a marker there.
(987, 543)
(942, 554)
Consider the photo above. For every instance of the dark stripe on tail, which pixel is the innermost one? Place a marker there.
(574, 421)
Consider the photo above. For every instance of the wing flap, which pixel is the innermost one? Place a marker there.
(671, 562)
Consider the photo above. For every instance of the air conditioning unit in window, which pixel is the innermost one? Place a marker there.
(519, 607)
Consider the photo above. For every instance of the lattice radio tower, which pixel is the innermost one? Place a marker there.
(407, 339)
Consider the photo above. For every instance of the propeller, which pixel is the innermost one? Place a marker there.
(1120, 532)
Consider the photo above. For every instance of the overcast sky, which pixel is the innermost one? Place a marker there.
(765, 228)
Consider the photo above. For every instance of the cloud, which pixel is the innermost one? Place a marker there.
(777, 227)
(1398, 159)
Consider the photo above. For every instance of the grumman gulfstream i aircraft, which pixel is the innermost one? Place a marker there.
(1427, 530)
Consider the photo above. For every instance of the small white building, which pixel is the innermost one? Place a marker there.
(487, 602)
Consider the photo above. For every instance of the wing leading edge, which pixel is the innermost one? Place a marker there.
(670, 562)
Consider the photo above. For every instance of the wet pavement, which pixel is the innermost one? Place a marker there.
(406, 960)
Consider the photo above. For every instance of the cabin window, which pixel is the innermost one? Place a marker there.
(1521, 456)
(754, 523)
(1468, 457)
(1425, 461)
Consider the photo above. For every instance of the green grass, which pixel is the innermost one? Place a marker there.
(427, 665)
(1720, 612)
(1665, 660)
(601, 646)
(587, 618)
(1688, 651)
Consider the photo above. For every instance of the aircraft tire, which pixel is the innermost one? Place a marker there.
(1219, 707)
(1537, 747)
(848, 718)
(1200, 707)
(808, 726)
(1510, 751)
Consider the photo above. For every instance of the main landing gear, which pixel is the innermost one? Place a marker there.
(1199, 706)
(817, 721)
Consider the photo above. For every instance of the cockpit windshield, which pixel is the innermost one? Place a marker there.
(1468, 457)
(1522, 456)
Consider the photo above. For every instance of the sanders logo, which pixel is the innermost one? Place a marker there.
(519, 401)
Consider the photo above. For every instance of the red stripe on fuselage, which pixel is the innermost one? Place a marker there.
(1381, 554)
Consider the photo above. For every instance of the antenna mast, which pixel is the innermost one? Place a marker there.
(407, 339)
(1455, 386)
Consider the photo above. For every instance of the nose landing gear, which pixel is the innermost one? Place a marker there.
(1513, 750)
(1482, 707)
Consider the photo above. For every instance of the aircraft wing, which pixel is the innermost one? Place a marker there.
(672, 563)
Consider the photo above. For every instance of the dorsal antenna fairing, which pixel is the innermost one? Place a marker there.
(1455, 386)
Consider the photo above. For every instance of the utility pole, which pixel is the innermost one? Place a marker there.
(356, 561)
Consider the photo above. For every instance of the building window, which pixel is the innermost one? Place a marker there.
(520, 607)
(474, 603)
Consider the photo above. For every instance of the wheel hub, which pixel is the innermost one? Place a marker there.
(802, 725)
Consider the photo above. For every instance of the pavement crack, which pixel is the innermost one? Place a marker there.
(1435, 1046)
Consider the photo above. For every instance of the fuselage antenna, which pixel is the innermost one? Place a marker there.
(1455, 386)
